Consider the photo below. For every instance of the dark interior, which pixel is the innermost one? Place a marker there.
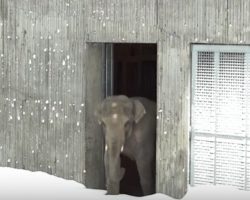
(134, 75)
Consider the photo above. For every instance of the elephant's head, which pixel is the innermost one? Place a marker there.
(117, 115)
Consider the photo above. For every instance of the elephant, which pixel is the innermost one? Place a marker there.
(129, 127)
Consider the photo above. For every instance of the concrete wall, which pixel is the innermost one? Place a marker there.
(42, 94)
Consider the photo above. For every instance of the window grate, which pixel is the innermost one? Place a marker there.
(220, 119)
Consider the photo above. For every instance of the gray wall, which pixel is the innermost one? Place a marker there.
(43, 48)
(42, 86)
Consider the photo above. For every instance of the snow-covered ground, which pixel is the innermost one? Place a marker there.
(16, 184)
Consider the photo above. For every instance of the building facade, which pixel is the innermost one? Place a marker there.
(52, 55)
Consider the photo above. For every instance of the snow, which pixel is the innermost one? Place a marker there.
(17, 184)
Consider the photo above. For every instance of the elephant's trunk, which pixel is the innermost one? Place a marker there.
(114, 172)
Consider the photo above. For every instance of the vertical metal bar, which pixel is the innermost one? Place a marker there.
(247, 84)
(217, 68)
(193, 75)
(109, 69)
(247, 164)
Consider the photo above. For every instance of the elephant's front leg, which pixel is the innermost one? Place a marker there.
(147, 178)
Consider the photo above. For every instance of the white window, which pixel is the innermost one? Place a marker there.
(220, 118)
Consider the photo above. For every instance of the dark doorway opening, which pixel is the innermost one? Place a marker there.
(135, 70)
(134, 74)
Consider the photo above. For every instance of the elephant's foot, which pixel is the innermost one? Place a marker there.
(113, 188)
(147, 188)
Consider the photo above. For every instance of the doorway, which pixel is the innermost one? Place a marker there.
(133, 73)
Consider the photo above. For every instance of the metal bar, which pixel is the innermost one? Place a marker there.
(109, 69)
(222, 136)
(217, 66)
(193, 75)
(247, 83)
(221, 48)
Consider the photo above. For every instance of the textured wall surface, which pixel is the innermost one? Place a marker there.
(42, 86)
(43, 83)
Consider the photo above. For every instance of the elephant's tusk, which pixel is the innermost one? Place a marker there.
(115, 116)
(122, 148)
(106, 147)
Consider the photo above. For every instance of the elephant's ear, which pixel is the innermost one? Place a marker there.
(98, 113)
(139, 111)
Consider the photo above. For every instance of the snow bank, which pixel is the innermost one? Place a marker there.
(16, 184)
